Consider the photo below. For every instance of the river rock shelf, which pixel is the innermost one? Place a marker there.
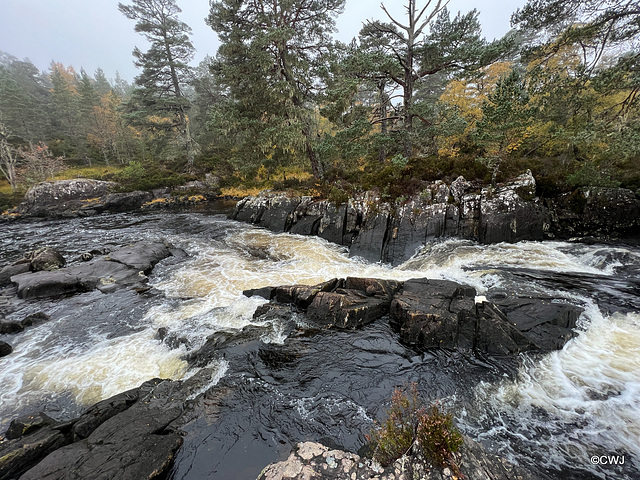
(430, 313)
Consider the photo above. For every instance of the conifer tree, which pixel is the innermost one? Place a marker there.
(158, 99)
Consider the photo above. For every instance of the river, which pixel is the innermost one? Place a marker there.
(549, 413)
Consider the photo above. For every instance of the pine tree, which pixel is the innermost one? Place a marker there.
(158, 99)
(270, 60)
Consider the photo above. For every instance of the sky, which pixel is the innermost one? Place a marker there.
(93, 34)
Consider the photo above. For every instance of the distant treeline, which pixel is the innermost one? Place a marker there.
(410, 100)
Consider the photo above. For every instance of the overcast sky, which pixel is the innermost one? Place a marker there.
(93, 33)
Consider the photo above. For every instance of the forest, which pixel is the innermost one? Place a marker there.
(284, 105)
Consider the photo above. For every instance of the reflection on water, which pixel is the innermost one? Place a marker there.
(586, 396)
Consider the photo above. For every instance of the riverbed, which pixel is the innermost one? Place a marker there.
(549, 413)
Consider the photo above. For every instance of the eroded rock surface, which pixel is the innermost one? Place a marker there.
(392, 233)
(312, 460)
(128, 436)
(433, 314)
(125, 267)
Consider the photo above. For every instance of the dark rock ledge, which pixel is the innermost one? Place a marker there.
(392, 233)
(431, 313)
(129, 436)
(127, 266)
(84, 197)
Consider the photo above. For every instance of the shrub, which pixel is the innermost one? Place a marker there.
(412, 428)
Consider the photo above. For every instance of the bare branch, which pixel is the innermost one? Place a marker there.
(393, 19)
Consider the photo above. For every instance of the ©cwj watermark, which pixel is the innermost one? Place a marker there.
(607, 460)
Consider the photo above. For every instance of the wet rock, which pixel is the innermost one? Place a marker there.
(34, 319)
(431, 314)
(435, 314)
(314, 460)
(5, 349)
(378, 231)
(10, 270)
(346, 309)
(45, 259)
(142, 256)
(22, 426)
(129, 436)
(17, 456)
(8, 327)
(124, 267)
(546, 321)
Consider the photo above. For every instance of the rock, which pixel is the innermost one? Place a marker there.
(121, 202)
(129, 436)
(52, 198)
(346, 309)
(22, 426)
(45, 259)
(435, 314)
(596, 212)
(34, 319)
(17, 456)
(9, 271)
(545, 321)
(125, 267)
(8, 327)
(314, 460)
(378, 231)
(430, 314)
(142, 256)
(5, 349)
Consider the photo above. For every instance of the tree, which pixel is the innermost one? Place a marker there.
(506, 118)
(595, 25)
(270, 61)
(8, 157)
(158, 95)
(451, 45)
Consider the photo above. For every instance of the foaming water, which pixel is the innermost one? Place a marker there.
(580, 401)
(562, 407)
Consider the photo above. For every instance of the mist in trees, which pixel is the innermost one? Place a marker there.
(412, 99)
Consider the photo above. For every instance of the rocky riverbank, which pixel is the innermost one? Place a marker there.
(391, 233)
(86, 197)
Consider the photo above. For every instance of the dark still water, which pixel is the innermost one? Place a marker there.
(276, 386)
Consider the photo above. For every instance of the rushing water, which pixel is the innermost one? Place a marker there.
(549, 413)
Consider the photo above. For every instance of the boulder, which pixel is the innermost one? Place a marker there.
(5, 349)
(10, 270)
(45, 259)
(59, 194)
(314, 460)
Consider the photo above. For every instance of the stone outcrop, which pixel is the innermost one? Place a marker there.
(86, 197)
(127, 266)
(124, 437)
(314, 460)
(596, 212)
(378, 231)
(392, 233)
(432, 314)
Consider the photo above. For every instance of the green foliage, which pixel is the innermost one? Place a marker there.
(437, 436)
(137, 176)
(411, 426)
(589, 175)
